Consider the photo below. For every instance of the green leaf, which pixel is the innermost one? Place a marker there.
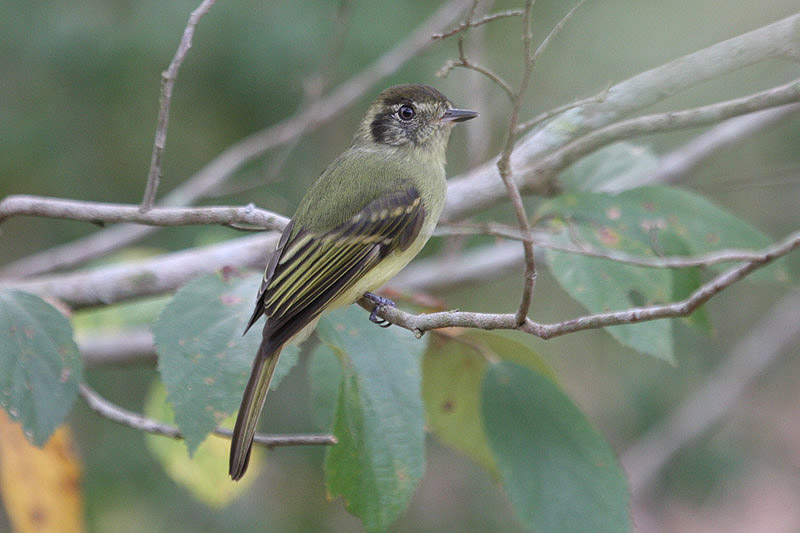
(617, 167)
(203, 358)
(205, 474)
(602, 286)
(40, 367)
(655, 221)
(379, 418)
(325, 375)
(452, 372)
(558, 472)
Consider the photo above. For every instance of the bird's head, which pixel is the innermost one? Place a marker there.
(412, 116)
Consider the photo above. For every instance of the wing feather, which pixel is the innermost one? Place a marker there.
(310, 269)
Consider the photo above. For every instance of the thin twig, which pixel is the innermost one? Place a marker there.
(466, 63)
(474, 24)
(545, 240)
(117, 414)
(547, 115)
(168, 79)
(506, 174)
(554, 31)
(504, 161)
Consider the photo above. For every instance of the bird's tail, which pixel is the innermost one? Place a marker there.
(252, 403)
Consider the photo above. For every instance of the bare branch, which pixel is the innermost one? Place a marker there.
(503, 163)
(558, 160)
(425, 322)
(661, 122)
(108, 284)
(545, 240)
(547, 115)
(468, 64)
(682, 160)
(168, 79)
(474, 24)
(555, 31)
(103, 213)
(117, 414)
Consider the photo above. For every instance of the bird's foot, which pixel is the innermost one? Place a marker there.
(379, 302)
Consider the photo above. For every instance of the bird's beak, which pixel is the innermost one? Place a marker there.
(458, 115)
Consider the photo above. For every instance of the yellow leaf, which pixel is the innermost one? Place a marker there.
(40, 487)
(205, 474)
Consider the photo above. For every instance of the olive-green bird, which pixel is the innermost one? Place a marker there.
(369, 213)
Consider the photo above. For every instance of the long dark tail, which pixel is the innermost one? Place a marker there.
(252, 403)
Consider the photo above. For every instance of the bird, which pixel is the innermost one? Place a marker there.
(363, 220)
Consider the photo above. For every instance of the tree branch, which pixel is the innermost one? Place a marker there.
(557, 161)
(678, 163)
(104, 213)
(117, 414)
(419, 324)
(545, 240)
(560, 159)
(475, 23)
(168, 79)
(109, 284)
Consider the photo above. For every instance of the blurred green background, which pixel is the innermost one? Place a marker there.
(78, 106)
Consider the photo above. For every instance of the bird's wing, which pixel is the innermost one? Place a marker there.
(310, 269)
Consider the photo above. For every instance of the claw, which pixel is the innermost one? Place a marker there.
(379, 302)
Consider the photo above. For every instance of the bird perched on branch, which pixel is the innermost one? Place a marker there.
(364, 219)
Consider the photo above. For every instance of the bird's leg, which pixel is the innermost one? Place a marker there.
(379, 302)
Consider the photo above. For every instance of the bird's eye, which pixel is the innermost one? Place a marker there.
(406, 113)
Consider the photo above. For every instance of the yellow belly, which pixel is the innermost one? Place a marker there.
(381, 273)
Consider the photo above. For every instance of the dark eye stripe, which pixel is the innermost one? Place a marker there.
(380, 127)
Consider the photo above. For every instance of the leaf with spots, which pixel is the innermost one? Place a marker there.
(379, 418)
(203, 358)
(40, 367)
(604, 286)
(647, 222)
